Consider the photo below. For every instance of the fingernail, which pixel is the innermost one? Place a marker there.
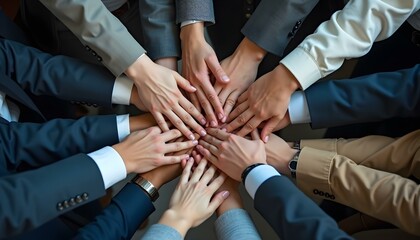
(203, 121)
(195, 142)
(213, 124)
(224, 119)
(266, 139)
(225, 194)
(220, 116)
(191, 137)
(203, 133)
(193, 88)
(224, 129)
(190, 159)
(225, 78)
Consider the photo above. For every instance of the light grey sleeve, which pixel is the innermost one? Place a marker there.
(161, 232)
(235, 224)
(195, 10)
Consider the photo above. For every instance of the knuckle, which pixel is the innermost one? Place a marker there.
(178, 123)
(249, 125)
(230, 102)
(190, 108)
(241, 119)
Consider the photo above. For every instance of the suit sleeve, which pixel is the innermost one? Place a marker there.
(273, 20)
(161, 34)
(59, 76)
(39, 144)
(370, 174)
(201, 10)
(236, 224)
(368, 98)
(292, 214)
(120, 220)
(32, 198)
(99, 30)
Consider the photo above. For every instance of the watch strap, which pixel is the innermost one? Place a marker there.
(146, 186)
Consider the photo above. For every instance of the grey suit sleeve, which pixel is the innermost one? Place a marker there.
(273, 20)
(98, 29)
(161, 232)
(161, 34)
(235, 224)
(195, 10)
(32, 198)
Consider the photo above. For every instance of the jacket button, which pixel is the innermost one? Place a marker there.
(66, 204)
(60, 207)
(99, 59)
(78, 199)
(315, 191)
(72, 202)
(332, 197)
(321, 193)
(85, 196)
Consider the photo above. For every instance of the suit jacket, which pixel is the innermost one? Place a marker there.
(58, 187)
(105, 36)
(269, 26)
(292, 214)
(128, 209)
(369, 174)
(368, 98)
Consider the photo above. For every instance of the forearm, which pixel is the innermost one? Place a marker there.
(371, 21)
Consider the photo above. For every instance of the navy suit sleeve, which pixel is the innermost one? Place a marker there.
(60, 76)
(128, 209)
(368, 98)
(39, 144)
(30, 199)
(292, 214)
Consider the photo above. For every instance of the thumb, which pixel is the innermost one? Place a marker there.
(184, 83)
(217, 200)
(217, 70)
(268, 128)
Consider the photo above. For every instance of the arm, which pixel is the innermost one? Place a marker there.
(378, 166)
(60, 76)
(365, 99)
(32, 198)
(353, 30)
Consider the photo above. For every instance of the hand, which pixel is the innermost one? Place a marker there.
(136, 101)
(193, 200)
(158, 91)
(168, 62)
(279, 154)
(234, 200)
(145, 150)
(198, 62)
(231, 153)
(242, 67)
(266, 100)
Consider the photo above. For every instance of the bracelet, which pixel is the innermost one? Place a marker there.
(146, 186)
(248, 169)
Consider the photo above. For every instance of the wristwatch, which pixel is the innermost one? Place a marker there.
(294, 161)
(146, 186)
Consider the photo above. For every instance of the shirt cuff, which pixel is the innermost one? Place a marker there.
(123, 126)
(186, 23)
(298, 108)
(121, 92)
(257, 176)
(302, 66)
(110, 164)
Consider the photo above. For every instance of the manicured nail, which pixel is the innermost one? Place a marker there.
(213, 123)
(193, 88)
(195, 142)
(266, 139)
(225, 78)
(190, 160)
(225, 194)
(220, 115)
(224, 119)
(224, 129)
(203, 121)
(191, 137)
(203, 133)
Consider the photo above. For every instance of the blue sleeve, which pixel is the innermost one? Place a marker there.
(235, 224)
(161, 232)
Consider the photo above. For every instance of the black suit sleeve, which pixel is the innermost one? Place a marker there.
(292, 214)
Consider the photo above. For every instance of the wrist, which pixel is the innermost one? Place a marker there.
(249, 50)
(176, 220)
(138, 67)
(232, 202)
(192, 31)
(289, 81)
(147, 187)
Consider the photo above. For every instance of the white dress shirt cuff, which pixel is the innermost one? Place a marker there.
(298, 108)
(123, 126)
(302, 66)
(257, 176)
(121, 92)
(186, 23)
(110, 164)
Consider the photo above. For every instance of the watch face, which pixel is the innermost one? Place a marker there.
(293, 165)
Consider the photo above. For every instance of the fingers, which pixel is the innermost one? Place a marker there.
(186, 172)
(255, 135)
(160, 120)
(208, 109)
(183, 83)
(268, 128)
(179, 124)
(212, 140)
(229, 102)
(218, 133)
(217, 200)
(178, 146)
(217, 70)
(195, 102)
(249, 126)
(208, 175)
(239, 109)
(213, 149)
(242, 120)
(186, 112)
(213, 98)
(207, 155)
(167, 160)
(171, 135)
(198, 171)
(243, 97)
